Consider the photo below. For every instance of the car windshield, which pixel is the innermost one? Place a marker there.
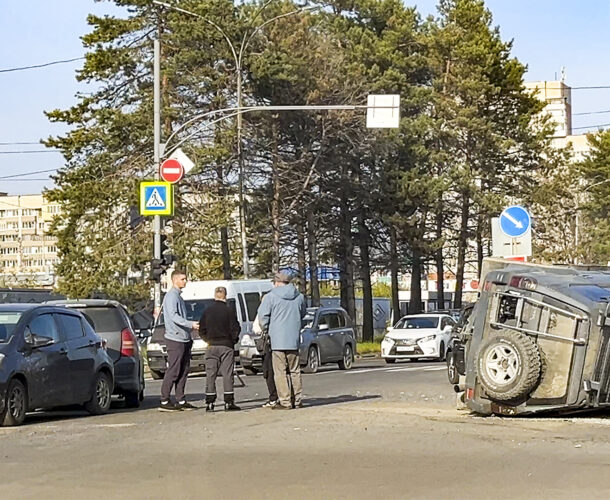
(8, 320)
(421, 322)
(196, 308)
(104, 319)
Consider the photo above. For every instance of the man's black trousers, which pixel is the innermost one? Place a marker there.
(219, 360)
(179, 361)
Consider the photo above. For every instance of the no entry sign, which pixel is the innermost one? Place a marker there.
(172, 170)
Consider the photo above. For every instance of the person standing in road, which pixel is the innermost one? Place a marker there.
(179, 343)
(220, 329)
(265, 349)
(281, 314)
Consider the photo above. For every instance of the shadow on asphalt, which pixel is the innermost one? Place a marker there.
(332, 400)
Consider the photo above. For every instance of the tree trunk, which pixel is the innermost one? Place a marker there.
(416, 272)
(461, 254)
(301, 259)
(275, 202)
(396, 314)
(367, 292)
(480, 222)
(313, 258)
(440, 267)
(346, 266)
(226, 255)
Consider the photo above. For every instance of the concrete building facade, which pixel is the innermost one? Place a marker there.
(28, 255)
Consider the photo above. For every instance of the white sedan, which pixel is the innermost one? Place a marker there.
(418, 336)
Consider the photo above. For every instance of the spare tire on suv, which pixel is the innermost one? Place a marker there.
(509, 365)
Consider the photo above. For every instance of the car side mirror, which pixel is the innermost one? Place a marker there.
(323, 327)
(35, 340)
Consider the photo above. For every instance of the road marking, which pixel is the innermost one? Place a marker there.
(435, 368)
(394, 369)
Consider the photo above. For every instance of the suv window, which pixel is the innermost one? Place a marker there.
(253, 300)
(45, 325)
(105, 319)
(333, 320)
(71, 326)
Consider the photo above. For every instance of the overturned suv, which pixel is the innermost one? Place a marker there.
(538, 340)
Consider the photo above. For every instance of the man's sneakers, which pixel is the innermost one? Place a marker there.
(186, 406)
(231, 407)
(281, 407)
(169, 407)
(271, 404)
(209, 407)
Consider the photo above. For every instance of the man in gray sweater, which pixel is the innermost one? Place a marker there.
(179, 343)
(281, 314)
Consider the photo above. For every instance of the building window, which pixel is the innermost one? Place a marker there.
(29, 225)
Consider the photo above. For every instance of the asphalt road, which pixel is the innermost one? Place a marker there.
(376, 431)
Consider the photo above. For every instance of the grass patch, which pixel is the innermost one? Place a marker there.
(368, 347)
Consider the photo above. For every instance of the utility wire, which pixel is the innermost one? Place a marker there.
(592, 126)
(28, 152)
(591, 113)
(29, 173)
(19, 143)
(35, 66)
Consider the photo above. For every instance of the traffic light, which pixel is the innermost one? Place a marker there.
(157, 268)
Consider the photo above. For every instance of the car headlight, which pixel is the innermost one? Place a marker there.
(388, 340)
(428, 338)
(247, 341)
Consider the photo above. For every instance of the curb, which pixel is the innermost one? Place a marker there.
(368, 356)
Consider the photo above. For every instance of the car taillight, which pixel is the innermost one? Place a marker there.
(523, 282)
(469, 393)
(486, 286)
(128, 343)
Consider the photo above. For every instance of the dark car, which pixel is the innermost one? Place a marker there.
(112, 322)
(328, 336)
(50, 356)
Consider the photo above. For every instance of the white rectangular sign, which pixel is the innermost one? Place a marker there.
(383, 111)
(184, 160)
(505, 246)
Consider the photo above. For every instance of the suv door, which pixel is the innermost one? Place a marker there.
(330, 339)
(81, 356)
(48, 366)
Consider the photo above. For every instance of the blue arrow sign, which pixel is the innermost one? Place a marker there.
(515, 221)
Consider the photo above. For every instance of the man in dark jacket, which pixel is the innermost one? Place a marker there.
(281, 313)
(220, 329)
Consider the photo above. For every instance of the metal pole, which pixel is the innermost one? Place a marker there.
(157, 141)
(240, 159)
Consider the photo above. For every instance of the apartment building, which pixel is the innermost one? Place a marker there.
(27, 254)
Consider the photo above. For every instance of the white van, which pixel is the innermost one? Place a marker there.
(243, 295)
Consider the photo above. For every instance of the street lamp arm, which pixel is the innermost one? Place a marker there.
(211, 23)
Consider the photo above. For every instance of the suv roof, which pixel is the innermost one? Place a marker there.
(85, 303)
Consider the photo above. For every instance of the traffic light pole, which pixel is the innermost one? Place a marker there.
(157, 157)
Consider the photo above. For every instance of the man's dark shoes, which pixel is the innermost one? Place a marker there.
(231, 407)
(169, 407)
(281, 407)
(209, 407)
(186, 406)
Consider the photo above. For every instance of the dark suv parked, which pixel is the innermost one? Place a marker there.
(50, 356)
(111, 321)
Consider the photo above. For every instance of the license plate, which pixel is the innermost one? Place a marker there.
(406, 349)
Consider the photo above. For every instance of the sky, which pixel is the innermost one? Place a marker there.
(547, 35)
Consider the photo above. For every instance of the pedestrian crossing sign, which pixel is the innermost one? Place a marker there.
(156, 198)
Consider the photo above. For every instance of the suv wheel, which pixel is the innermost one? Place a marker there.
(509, 365)
(156, 375)
(348, 358)
(101, 397)
(16, 404)
(313, 360)
(452, 372)
(249, 371)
